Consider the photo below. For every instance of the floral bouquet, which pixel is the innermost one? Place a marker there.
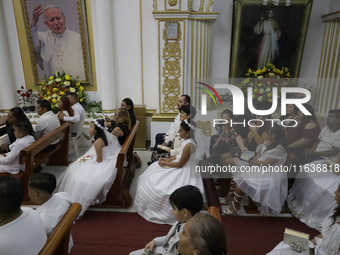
(263, 80)
(59, 85)
(26, 96)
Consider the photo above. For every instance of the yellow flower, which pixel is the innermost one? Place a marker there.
(260, 77)
(264, 69)
(78, 83)
(51, 77)
(269, 94)
(81, 99)
(81, 88)
(255, 90)
(253, 96)
(55, 90)
(58, 98)
(62, 93)
(48, 93)
(260, 84)
(45, 98)
(54, 101)
(258, 72)
(269, 100)
(67, 77)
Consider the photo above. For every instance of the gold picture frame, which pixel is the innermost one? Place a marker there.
(289, 23)
(82, 9)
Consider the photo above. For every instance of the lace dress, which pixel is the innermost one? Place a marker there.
(88, 182)
(268, 190)
(156, 184)
(312, 196)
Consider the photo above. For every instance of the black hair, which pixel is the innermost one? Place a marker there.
(187, 197)
(44, 104)
(186, 127)
(25, 127)
(11, 194)
(100, 133)
(336, 112)
(129, 102)
(229, 112)
(186, 98)
(308, 118)
(19, 114)
(279, 137)
(188, 109)
(43, 181)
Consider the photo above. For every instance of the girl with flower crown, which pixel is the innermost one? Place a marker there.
(161, 178)
(89, 179)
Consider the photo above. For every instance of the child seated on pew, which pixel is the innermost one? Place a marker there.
(9, 162)
(52, 206)
(186, 201)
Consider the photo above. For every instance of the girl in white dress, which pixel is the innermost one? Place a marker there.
(326, 243)
(267, 189)
(161, 178)
(88, 182)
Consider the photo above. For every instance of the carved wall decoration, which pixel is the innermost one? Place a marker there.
(172, 2)
(171, 70)
(205, 127)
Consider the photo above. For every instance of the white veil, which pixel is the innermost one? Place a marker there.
(202, 142)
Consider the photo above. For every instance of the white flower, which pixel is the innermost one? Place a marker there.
(51, 82)
(261, 90)
(54, 95)
(271, 74)
(58, 80)
(72, 89)
(67, 83)
(268, 89)
(260, 98)
(259, 77)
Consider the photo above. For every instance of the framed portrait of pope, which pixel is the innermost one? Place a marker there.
(272, 31)
(57, 37)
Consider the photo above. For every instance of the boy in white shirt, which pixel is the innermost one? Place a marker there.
(52, 206)
(9, 162)
(186, 201)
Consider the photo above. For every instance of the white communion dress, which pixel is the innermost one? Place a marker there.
(156, 184)
(312, 196)
(267, 189)
(89, 182)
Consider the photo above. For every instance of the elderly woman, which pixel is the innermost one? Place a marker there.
(203, 235)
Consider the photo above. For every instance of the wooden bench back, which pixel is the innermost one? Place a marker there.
(213, 211)
(58, 241)
(3, 120)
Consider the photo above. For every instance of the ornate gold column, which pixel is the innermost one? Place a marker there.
(184, 40)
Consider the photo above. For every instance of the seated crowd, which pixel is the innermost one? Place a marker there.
(168, 191)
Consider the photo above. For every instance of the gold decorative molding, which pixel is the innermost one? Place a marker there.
(211, 2)
(150, 112)
(333, 16)
(205, 127)
(141, 45)
(108, 111)
(172, 2)
(202, 6)
(171, 70)
(4, 110)
(164, 117)
(154, 5)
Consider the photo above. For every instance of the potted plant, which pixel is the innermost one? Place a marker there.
(26, 99)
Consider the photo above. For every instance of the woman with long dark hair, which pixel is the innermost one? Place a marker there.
(15, 115)
(88, 179)
(128, 105)
(266, 188)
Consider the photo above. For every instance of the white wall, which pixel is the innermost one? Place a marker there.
(334, 5)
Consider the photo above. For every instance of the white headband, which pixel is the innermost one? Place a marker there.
(190, 126)
(98, 125)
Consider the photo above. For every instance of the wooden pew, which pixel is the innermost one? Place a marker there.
(119, 195)
(58, 241)
(34, 156)
(213, 211)
(251, 207)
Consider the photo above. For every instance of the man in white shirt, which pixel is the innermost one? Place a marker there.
(328, 144)
(79, 114)
(21, 229)
(57, 47)
(161, 137)
(47, 122)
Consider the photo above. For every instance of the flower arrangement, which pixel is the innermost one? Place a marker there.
(59, 85)
(263, 80)
(26, 96)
